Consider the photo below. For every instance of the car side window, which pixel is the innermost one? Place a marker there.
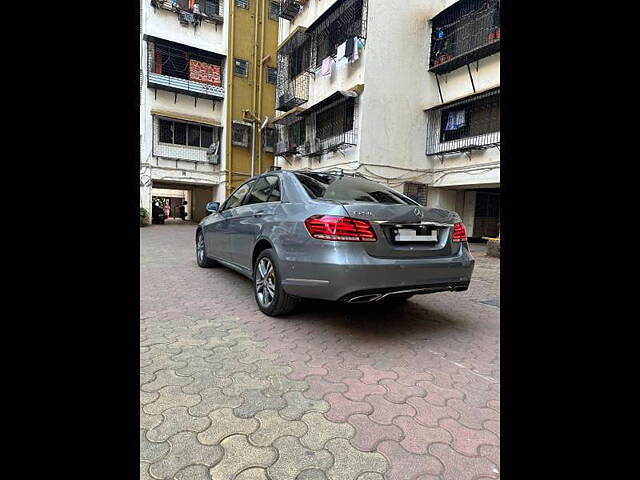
(237, 197)
(261, 191)
(275, 195)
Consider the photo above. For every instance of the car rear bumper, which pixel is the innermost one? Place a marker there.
(348, 273)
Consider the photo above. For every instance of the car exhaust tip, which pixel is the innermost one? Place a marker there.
(365, 298)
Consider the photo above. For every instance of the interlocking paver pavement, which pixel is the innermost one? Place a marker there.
(409, 391)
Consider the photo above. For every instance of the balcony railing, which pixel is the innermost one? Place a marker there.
(194, 11)
(185, 70)
(333, 125)
(472, 123)
(463, 33)
(292, 87)
(339, 23)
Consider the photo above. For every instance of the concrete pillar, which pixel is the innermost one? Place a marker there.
(469, 213)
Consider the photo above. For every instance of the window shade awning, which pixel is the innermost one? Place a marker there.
(337, 95)
(186, 118)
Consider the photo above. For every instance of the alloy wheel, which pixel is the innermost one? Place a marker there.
(265, 282)
(200, 248)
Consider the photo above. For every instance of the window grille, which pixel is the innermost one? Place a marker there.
(293, 78)
(291, 135)
(268, 139)
(210, 10)
(272, 75)
(343, 21)
(180, 140)
(241, 134)
(465, 32)
(241, 67)
(274, 10)
(289, 9)
(467, 124)
(416, 191)
(242, 4)
(182, 69)
(332, 127)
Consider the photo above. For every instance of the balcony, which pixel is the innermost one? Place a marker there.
(463, 33)
(180, 69)
(333, 125)
(472, 123)
(292, 87)
(193, 11)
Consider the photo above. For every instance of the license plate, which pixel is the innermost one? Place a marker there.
(411, 235)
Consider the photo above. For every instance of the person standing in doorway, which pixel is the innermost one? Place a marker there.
(183, 210)
(167, 209)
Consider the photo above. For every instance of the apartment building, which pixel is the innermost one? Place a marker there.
(207, 97)
(405, 93)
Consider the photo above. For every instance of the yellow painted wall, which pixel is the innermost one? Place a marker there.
(253, 35)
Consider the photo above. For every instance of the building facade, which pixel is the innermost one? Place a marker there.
(405, 93)
(207, 98)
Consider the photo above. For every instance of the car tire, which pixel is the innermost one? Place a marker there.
(271, 298)
(201, 253)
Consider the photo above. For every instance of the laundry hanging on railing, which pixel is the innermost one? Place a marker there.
(455, 120)
(327, 66)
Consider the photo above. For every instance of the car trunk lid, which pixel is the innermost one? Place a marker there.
(406, 231)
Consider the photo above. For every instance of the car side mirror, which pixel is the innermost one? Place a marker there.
(213, 207)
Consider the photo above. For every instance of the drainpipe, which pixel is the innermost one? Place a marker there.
(229, 98)
(253, 147)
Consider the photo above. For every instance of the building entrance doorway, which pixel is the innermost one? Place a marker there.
(487, 213)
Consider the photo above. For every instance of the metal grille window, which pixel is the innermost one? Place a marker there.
(240, 67)
(241, 134)
(268, 139)
(344, 21)
(272, 75)
(467, 124)
(274, 10)
(289, 8)
(465, 32)
(181, 69)
(293, 77)
(416, 191)
(210, 7)
(242, 4)
(332, 125)
(291, 135)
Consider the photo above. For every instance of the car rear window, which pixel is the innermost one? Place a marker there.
(349, 189)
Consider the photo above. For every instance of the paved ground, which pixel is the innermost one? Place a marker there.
(333, 392)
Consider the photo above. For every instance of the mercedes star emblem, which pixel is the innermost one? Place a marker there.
(418, 212)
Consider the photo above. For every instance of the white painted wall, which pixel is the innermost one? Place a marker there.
(398, 88)
(164, 24)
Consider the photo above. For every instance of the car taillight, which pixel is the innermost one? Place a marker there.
(327, 227)
(459, 232)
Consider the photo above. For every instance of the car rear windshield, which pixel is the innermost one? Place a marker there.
(349, 189)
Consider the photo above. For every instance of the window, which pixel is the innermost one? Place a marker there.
(241, 67)
(470, 119)
(274, 11)
(240, 135)
(346, 22)
(263, 190)
(268, 139)
(272, 75)
(242, 4)
(335, 120)
(237, 197)
(416, 191)
(210, 7)
(349, 189)
(181, 133)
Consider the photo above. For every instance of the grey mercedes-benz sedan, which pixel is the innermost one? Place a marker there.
(333, 236)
